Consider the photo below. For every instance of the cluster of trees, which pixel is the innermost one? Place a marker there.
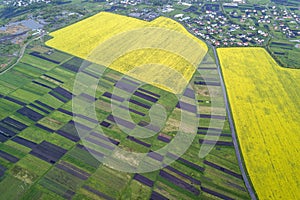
(8, 48)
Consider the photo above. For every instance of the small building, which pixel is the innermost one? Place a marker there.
(179, 15)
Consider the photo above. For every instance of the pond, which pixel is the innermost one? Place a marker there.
(29, 23)
(3, 28)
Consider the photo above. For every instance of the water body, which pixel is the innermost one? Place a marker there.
(29, 23)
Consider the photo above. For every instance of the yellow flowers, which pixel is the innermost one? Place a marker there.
(265, 103)
(161, 52)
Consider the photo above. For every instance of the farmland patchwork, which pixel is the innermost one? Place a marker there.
(42, 155)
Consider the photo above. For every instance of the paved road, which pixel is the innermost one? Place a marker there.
(234, 137)
(22, 51)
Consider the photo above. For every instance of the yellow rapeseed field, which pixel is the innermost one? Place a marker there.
(135, 47)
(265, 103)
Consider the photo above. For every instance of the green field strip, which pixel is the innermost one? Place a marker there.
(217, 157)
(68, 106)
(103, 106)
(37, 62)
(64, 179)
(69, 85)
(46, 81)
(17, 146)
(8, 107)
(151, 175)
(12, 151)
(21, 118)
(94, 70)
(58, 96)
(51, 101)
(53, 186)
(6, 88)
(49, 80)
(36, 89)
(61, 74)
(115, 75)
(86, 122)
(52, 123)
(38, 192)
(222, 186)
(29, 134)
(25, 95)
(216, 138)
(58, 56)
(114, 133)
(194, 173)
(85, 194)
(157, 144)
(82, 159)
(9, 127)
(79, 163)
(104, 85)
(221, 176)
(169, 192)
(112, 184)
(174, 190)
(60, 141)
(15, 79)
(133, 146)
(40, 108)
(5, 164)
(189, 155)
(224, 189)
(136, 190)
(181, 178)
(29, 69)
(15, 190)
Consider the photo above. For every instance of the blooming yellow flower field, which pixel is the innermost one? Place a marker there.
(265, 103)
(161, 52)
